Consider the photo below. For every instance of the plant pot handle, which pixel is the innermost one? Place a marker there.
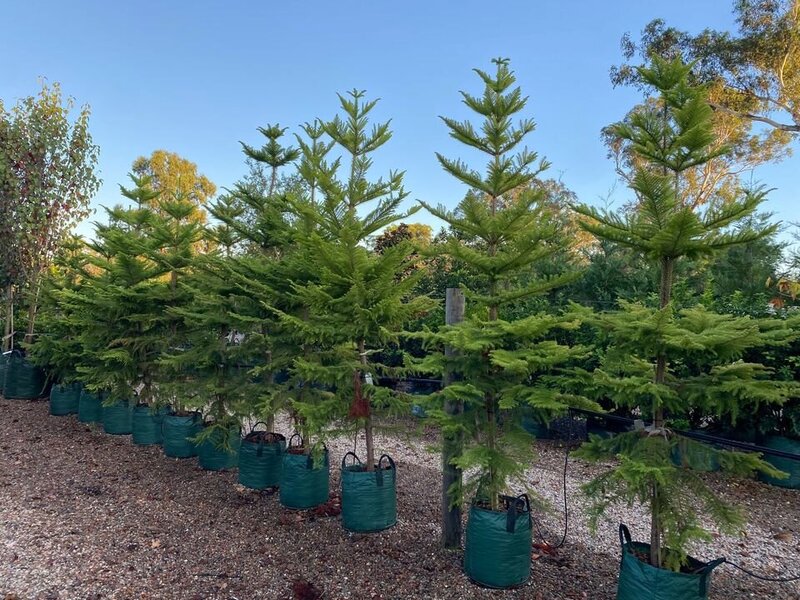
(514, 504)
(256, 424)
(379, 471)
(705, 573)
(392, 466)
(713, 565)
(624, 535)
(355, 457)
(291, 439)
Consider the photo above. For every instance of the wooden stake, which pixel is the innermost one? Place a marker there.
(452, 445)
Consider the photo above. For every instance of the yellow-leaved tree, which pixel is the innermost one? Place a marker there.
(176, 177)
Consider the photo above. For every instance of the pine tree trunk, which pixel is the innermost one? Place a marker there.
(452, 443)
(665, 292)
(270, 421)
(368, 419)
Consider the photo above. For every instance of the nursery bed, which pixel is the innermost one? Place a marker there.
(88, 515)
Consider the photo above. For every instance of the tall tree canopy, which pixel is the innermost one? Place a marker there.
(47, 178)
(757, 69)
(174, 176)
(641, 369)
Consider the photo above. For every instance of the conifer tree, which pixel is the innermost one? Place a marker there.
(639, 370)
(57, 347)
(132, 280)
(256, 273)
(504, 364)
(359, 300)
(120, 306)
(211, 358)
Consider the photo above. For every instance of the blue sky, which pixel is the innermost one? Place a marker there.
(197, 77)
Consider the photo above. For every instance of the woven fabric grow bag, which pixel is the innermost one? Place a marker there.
(261, 459)
(23, 381)
(4, 358)
(787, 465)
(497, 548)
(90, 407)
(213, 457)
(304, 480)
(369, 498)
(64, 399)
(177, 432)
(118, 418)
(694, 455)
(639, 580)
(146, 425)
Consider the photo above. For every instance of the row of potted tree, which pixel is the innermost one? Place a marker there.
(281, 306)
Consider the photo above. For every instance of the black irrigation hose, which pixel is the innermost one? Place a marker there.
(762, 577)
(566, 507)
(564, 490)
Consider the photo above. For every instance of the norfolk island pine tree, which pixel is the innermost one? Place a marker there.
(504, 365)
(358, 300)
(673, 136)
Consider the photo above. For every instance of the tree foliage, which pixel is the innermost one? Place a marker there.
(47, 178)
(359, 300)
(502, 227)
(174, 176)
(642, 367)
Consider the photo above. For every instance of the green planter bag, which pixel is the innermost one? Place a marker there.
(64, 399)
(90, 407)
(213, 456)
(118, 418)
(792, 467)
(304, 481)
(261, 459)
(497, 548)
(4, 358)
(690, 454)
(178, 431)
(639, 580)
(146, 425)
(23, 381)
(369, 498)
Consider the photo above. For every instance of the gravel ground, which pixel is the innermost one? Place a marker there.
(86, 515)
